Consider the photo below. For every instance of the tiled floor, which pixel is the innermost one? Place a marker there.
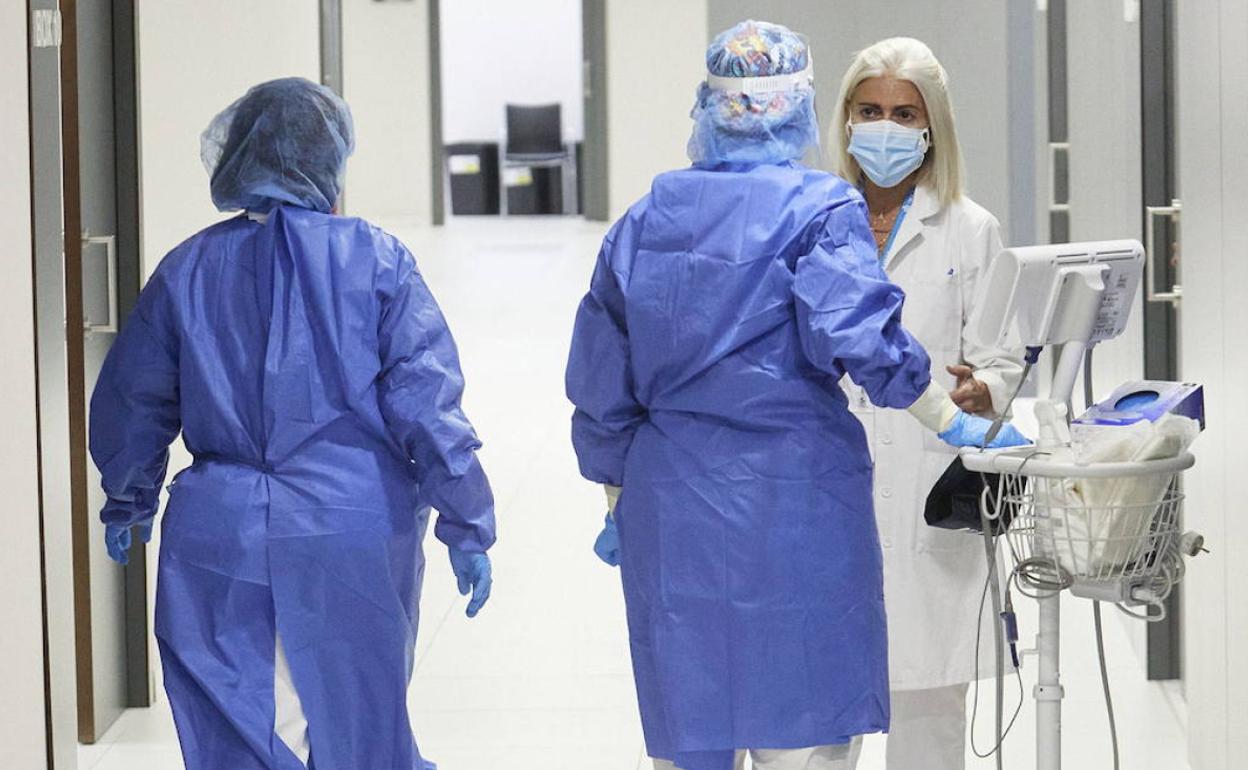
(540, 680)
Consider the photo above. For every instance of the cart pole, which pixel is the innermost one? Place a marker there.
(1048, 692)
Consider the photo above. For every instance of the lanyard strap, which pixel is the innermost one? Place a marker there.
(901, 217)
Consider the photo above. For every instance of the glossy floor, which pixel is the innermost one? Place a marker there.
(540, 680)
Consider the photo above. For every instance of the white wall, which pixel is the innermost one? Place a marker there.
(187, 79)
(386, 74)
(656, 53)
(494, 53)
(1212, 80)
(21, 644)
(195, 59)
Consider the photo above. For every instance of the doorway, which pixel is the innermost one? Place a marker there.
(1161, 211)
(528, 137)
(84, 149)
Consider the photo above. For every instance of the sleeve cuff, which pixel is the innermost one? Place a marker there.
(463, 538)
(934, 408)
(613, 497)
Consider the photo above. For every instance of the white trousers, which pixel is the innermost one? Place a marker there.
(928, 729)
(840, 757)
(288, 720)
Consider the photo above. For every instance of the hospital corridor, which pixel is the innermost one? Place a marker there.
(542, 679)
(623, 385)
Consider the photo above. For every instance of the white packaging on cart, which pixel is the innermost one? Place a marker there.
(1095, 526)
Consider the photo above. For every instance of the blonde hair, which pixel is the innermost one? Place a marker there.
(911, 60)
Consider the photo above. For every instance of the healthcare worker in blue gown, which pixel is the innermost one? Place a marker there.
(315, 383)
(724, 308)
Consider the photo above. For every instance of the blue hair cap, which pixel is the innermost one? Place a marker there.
(754, 127)
(285, 141)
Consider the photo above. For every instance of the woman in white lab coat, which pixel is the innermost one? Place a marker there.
(894, 134)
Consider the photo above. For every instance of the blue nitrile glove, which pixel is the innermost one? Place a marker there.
(117, 539)
(607, 546)
(970, 430)
(473, 571)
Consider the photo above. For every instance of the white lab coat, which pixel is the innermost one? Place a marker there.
(933, 578)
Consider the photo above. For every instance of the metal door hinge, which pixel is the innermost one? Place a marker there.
(45, 28)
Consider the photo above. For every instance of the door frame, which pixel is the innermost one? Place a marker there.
(1058, 161)
(330, 33)
(331, 45)
(1161, 348)
(126, 195)
(437, 161)
(71, 251)
(129, 283)
(66, 531)
(55, 520)
(594, 175)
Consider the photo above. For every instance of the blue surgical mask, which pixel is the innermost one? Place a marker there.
(887, 152)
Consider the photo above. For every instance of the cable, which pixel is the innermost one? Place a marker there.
(1042, 575)
(1109, 698)
(1022, 695)
(993, 582)
(994, 585)
(1096, 606)
(1033, 355)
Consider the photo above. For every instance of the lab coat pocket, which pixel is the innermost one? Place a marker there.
(933, 311)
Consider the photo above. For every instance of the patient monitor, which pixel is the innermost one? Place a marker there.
(1048, 295)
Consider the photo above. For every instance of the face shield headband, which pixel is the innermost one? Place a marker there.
(768, 84)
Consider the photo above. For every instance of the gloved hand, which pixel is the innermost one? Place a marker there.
(117, 539)
(970, 430)
(473, 571)
(607, 546)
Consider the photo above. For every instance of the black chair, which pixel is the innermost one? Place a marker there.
(534, 139)
(535, 131)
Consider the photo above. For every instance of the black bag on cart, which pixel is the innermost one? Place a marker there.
(954, 501)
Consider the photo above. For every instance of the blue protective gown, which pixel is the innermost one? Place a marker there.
(315, 382)
(724, 308)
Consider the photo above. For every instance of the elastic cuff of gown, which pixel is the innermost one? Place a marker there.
(934, 408)
(613, 497)
(466, 539)
(122, 516)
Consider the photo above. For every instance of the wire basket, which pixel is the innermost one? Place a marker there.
(1107, 531)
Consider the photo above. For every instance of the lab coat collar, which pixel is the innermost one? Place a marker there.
(923, 208)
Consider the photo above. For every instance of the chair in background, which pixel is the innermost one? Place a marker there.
(534, 139)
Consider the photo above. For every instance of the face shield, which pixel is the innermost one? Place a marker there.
(744, 117)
